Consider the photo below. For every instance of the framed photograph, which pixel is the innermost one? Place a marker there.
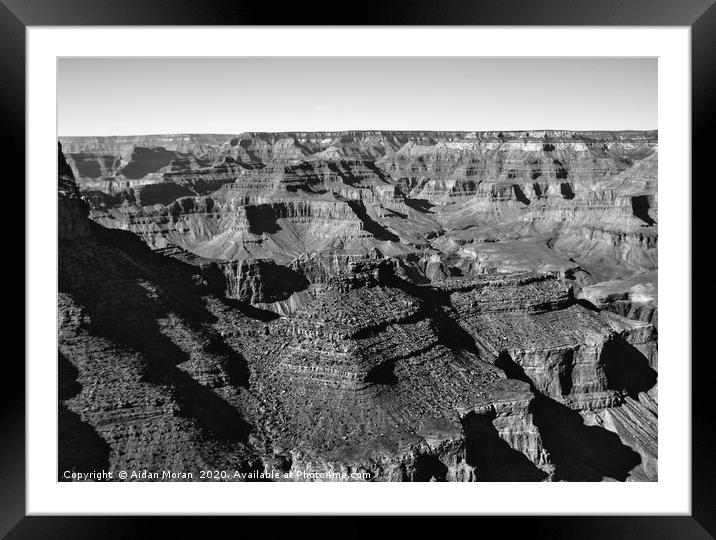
(403, 264)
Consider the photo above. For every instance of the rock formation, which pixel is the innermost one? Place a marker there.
(403, 306)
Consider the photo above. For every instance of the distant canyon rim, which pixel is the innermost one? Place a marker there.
(381, 305)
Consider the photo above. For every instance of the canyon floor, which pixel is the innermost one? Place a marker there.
(394, 306)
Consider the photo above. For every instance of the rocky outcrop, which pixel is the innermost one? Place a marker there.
(531, 327)
(634, 298)
(72, 211)
(260, 281)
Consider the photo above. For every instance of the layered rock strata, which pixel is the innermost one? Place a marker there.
(410, 306)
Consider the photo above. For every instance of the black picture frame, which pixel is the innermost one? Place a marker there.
(699, 15)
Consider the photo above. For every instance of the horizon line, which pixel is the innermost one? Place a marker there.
(168, 133)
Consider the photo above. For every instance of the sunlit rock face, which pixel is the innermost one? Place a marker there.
(397, 306)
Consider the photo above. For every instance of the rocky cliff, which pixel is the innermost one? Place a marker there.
(410, 306)
(72, 210)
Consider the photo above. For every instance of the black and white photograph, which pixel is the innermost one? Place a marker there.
(381, 269)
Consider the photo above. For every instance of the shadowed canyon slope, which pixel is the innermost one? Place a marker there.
(414, 306)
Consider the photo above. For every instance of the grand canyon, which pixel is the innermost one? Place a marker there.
(382, 305)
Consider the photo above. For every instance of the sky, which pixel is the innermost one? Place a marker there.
(143, 95)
